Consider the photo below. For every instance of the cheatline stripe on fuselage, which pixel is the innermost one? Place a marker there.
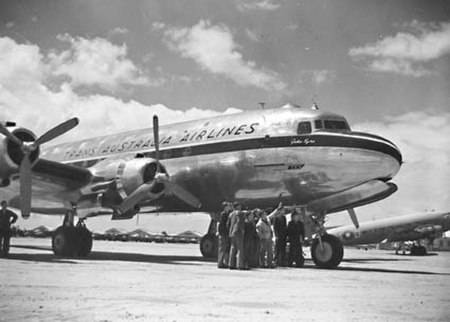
(310, 140)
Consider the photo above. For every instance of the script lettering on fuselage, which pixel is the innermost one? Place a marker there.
(302, 141)
(188, 136)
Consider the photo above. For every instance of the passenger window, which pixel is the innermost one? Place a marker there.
(318, 124)
(304, 127)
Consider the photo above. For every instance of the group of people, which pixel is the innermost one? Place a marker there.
(246, 238)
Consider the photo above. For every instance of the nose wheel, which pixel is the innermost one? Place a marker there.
(327, 251)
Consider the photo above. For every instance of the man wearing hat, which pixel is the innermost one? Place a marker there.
(224, 238)
(5, 227)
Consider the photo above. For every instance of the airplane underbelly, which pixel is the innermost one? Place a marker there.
(261, 177)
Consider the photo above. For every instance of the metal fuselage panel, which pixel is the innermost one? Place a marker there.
(256, 157)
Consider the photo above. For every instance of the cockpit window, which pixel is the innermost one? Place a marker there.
(304, 127)
(335, 125)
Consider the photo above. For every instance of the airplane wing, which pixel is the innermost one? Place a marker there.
(51, 181)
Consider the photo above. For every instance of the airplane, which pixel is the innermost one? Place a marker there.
(294, 155)
(412, 227)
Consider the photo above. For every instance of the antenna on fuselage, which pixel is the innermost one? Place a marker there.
(263, 104)
(314, 106)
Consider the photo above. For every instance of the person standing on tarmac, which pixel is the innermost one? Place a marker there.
(236, 228)
(5, 227)
(249, 237)
(265, 234)
(224, 238)
(281, 231)
(296, 235)
(256, 245)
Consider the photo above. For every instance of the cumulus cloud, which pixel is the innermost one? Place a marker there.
(250, 5)
(407, 52)
(424, 178)
(119, 31)
(214, 49)
(320, 76)
(96, 62)
(26, 99)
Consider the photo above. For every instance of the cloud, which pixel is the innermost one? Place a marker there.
(27, 98)
(423, 138)
(317, 76)
(407, 52)
(320, 76)
(119, 31)
(96, 62)
(214, 49)
(263, 5)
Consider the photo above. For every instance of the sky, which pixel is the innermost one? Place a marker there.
(384, 65)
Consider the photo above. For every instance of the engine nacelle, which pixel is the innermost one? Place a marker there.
(11, 154)
(127, 176)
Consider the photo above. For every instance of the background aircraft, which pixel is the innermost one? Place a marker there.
(413, 227)
(298, 156)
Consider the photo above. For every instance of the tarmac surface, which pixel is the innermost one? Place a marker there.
(172, 282)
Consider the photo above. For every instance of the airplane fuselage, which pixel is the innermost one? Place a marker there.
(400, 228)
(257, 157)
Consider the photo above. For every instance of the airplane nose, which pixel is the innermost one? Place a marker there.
(380, 144)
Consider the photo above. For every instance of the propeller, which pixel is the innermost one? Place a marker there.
(25, 165)
(144, 192)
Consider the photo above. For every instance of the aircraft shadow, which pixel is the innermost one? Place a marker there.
(49, 257)
(105, 256)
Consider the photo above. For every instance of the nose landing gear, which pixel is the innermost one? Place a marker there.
(326, 250)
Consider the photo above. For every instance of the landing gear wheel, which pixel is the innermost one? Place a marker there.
(328, 256)
(85, 241)
(208, 246)
(65, 241)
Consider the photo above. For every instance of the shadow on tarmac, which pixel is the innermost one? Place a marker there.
(190, 260)
(104, 256)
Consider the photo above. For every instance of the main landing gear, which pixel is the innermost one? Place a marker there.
(72, 241)
(209, 242)
(326, 250)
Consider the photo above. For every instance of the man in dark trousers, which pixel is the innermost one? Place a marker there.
(235, 226)
(249, 240)
(296, 234)
(280, 230)
(224, 238)
(5, 227)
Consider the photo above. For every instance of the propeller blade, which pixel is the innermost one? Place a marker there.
(25, 186)
(140, 194)
(9, 135)
(182, 194)
(57, 131)
(156, 139)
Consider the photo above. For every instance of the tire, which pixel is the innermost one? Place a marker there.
(208, 246)
(65, 241)
(332, 253)
(85, 241)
